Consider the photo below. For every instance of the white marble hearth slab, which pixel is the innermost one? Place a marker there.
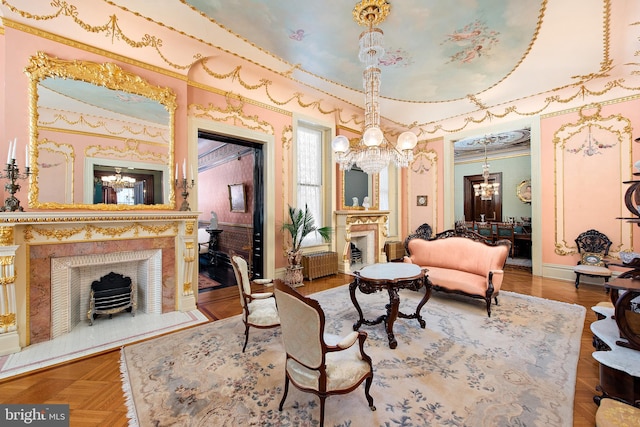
(105, 334)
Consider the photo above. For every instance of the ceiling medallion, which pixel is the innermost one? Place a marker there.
(371, 12)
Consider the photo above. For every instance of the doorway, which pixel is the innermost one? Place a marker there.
(474, 207)
(224, 149)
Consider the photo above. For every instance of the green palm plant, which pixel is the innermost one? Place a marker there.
(301, 225)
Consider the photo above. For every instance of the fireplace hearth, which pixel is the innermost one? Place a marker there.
(112, 294)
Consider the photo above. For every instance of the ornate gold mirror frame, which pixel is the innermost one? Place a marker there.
(134, 142)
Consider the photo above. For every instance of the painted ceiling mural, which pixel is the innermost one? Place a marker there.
(450, 65)
(426, 43)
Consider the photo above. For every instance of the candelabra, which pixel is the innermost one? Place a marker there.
(184, 186)
(12, 173)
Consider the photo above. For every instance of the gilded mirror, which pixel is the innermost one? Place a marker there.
(101, 138)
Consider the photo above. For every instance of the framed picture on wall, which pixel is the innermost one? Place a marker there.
(523, 191)
(237, 198)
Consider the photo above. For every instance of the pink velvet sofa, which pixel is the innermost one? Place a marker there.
(460, 261)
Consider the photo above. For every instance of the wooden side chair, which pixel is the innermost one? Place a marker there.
(259, 310)
(318, 362)
(485, 229)
(593, 248)
(505, 231)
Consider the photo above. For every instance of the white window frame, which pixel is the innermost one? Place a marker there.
(324, 215)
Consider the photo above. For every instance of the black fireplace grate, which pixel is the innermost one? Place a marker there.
(112, 294)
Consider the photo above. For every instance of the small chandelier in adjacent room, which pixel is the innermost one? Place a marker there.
(117, 181)
(373, 152)
(486, 190)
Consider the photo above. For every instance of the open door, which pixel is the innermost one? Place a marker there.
(474, 207)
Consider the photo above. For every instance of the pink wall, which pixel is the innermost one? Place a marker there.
(581, 191)
(213, 194)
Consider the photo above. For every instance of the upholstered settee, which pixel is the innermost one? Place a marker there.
(460, 261)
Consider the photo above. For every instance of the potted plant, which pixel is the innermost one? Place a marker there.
(301, 224)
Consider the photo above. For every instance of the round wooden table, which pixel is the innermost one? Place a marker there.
(391, 276)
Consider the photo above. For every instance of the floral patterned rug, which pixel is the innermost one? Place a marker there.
(515, 368)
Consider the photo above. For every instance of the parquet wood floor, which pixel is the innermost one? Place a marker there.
(92, 385)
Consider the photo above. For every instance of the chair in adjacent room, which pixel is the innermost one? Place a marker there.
(505, 231)
(485, 229)
(317, 362)
(593, 248)
(259, 310)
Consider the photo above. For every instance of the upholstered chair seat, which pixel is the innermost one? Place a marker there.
(613, 413)
(262, 310)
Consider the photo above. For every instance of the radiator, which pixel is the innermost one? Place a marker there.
(319, 264)
(394, 251)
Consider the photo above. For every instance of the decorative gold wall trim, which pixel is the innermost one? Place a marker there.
(233, 113)
(100, 123)
(239, 97)
(104, 136)
(89, 230)
(603, 103)
(88, 48)
(621, 128)
(129, 151)
(6, 236)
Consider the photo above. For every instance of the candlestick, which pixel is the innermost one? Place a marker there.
(12, 173)
(9, 152)
(184, 169)
(185, 185)
(13, 150)
(176, 175)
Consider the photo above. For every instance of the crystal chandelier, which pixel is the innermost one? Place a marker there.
(117, 181)
(485, 190)
(373, 152)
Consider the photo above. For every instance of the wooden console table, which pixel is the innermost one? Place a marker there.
(392, 277)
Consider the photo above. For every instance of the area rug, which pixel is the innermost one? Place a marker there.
(515, 368)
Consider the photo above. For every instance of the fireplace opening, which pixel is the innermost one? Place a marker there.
(112, 294)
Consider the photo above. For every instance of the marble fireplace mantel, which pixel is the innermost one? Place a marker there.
(24, 235)
(349, 222)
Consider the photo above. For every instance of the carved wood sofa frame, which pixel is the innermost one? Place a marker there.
(491, 291)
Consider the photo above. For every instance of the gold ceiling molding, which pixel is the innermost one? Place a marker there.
(89, 230)
(110, 29)
(88, 48)
(231, 113)
(232, 95)
(235, 76)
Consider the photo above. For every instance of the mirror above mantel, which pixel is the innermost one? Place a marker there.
(87, 119)
(355, 183)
